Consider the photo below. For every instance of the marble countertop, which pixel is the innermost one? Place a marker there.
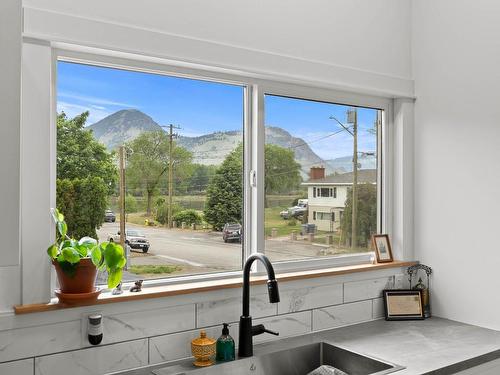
(432, 346)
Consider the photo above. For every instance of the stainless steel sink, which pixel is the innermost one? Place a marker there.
(296, 361)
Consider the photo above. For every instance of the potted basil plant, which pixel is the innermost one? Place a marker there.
(77, 262)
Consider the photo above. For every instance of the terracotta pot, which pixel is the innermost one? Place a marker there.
(83, 281)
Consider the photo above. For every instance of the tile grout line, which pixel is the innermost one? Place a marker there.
(196, 315)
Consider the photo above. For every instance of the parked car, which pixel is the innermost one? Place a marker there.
(133, 238)
(295, 212)
(232, 232)
(109, 216)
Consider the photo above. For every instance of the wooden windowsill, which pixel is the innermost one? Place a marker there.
(206, 286)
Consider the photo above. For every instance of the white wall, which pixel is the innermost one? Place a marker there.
(10, 110)
(363, 34)
(456, 59)
(358, 45)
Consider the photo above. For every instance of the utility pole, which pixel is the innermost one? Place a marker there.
(170, 173)
(171, 136)
(352, 115)
(122, 195)
(352, 118)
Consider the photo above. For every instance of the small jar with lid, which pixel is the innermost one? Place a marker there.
(203, 350)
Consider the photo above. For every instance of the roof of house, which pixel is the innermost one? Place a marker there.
(364, 176)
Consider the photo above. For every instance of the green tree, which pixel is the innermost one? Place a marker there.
(83, 202)
(79, 155)
(282, 172)
(148, 163)
(201, 177)
(130, 204)
(225, 192)
(86, 175)
(367, 214)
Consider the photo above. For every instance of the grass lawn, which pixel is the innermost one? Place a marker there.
(274, 220)
(136, 218)
(153, 269)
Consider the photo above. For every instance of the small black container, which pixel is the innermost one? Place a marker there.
(95, 329)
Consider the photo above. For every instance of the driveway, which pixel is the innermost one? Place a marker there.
(202, 251)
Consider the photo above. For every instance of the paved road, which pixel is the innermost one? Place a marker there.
(202, 251)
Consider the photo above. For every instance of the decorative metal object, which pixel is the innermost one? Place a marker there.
(137, 286)
(203, 350)
(118, 290)
(413, 273)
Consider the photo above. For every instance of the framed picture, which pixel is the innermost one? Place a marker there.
(403, 304)
(382, 247)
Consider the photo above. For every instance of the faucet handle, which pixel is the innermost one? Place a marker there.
(271, 332)
(260, 329)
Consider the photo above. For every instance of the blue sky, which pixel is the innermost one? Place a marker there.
(200, 107)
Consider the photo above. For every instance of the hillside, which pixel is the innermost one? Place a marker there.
(122, 126)
(211, 149)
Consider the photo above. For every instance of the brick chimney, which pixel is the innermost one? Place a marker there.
(317, 173)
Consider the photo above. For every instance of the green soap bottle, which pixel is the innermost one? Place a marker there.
(225, 346)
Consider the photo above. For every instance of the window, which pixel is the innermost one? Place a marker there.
(325, 192)
(188, 144)
(329, 151)
(182, 140)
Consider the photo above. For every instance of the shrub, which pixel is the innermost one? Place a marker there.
(161, 211)
(188, 216)
(292, 222)
(130, 204)
(83, 202)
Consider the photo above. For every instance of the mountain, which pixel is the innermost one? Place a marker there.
(211, 149)
(122, 126)
(345, 163)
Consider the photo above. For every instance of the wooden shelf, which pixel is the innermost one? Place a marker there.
(206, 286)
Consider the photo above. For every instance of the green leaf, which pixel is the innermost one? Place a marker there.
(96, 256)
(68, 243)
(56, 215)
(70, 255)
(62, 227)
(114, 277)
(88, 242)
(85, 246)
(122, 262)
(52, 251)
(113, 255)
(82, 250)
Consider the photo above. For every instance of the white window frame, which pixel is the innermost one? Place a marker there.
(254, 143)
(384, 126)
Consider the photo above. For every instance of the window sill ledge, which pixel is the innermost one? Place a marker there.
(206, 286)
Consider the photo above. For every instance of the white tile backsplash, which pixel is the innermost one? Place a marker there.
(366, 289)
(300, 299)
(378, 308)
(341, 315)
(129, 326)
(230, 309)
(151, 332)
(171, 347)
(96, 360)
(22, 367)
(287, 325)
(34, 341)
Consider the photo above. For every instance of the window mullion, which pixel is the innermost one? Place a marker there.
(258, 142)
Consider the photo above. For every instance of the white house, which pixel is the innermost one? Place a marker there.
(327, 195)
